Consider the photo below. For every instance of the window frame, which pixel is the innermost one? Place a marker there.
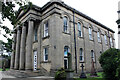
(90, 33)
(35, 34)
(81, 54)
(105, 37)
(79, 29)
(98, 36)
(46, 29)
(45, 54)
(65, 24)
(92, 55)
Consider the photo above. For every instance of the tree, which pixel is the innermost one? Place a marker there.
(9, 13)
(110, 62)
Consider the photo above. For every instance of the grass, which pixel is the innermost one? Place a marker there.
(6, 69)
(92, 78)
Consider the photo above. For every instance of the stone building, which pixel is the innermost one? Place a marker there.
(118, 22)
(48, 33)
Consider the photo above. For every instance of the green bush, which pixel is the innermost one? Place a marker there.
(110, 62)
(60, 74)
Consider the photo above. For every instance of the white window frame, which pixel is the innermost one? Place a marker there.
(92, 55)
(111, 41)
(46, 27)
(45, 54)
(105, 37)
(90, 34)
(65, 26)
(79, 29)
(81, 55)
(98, 35)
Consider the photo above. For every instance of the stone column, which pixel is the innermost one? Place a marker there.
(13, 52)
(22, 48)
(29, 42)
(17, 54)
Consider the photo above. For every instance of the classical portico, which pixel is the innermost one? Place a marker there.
(23, 46)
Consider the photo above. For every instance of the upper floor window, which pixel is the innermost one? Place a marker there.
(98, 35)
(79, 30)
(66, 50)
(46, 29)
(111, 42)
(105, 37)
(65, 19)
(81, 55)
(35, 34)
(92, 55)
(45, 52)
(90, 34)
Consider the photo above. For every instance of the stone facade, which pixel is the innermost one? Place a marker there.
(118, 22)
(49, 32)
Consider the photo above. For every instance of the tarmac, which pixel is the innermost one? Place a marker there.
(17, 75)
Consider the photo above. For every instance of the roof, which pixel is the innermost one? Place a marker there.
(61, 3)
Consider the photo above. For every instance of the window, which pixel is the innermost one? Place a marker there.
(98, 34)
(45, 54)
(65, 24)
(35, 34)
(90, 33)
(46, 29)
(79, 30)
(105, 39)
(111, 42)
(81, 55)
(66, 50)
(92, 55)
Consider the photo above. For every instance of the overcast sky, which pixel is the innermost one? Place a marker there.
(104, 11)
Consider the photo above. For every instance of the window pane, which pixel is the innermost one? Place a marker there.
(46, 29)
(66, 51)
(65, 24)
(79, 30)
(45, 54)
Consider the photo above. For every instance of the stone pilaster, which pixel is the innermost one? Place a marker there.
(29, 42)
(13, 52)
(22, 47)
(17, 53)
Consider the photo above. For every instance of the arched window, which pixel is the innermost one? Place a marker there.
(105, 37)
(79, 29)
(81, 55)
(66, 50)
(65, 27)
(111, 41)
(98, 35)
(90, 34)
(92, 55)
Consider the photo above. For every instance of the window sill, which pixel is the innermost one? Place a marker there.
(100, 42)
(35, 41)
(45, 61)
(46, 37)
(91, 39)
(66, 33)
(81, 37)
(81, 61)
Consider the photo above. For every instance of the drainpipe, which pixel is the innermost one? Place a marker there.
(75, 41)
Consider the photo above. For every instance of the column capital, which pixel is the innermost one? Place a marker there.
(31, 19)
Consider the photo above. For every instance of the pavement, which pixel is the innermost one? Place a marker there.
(16, 75)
